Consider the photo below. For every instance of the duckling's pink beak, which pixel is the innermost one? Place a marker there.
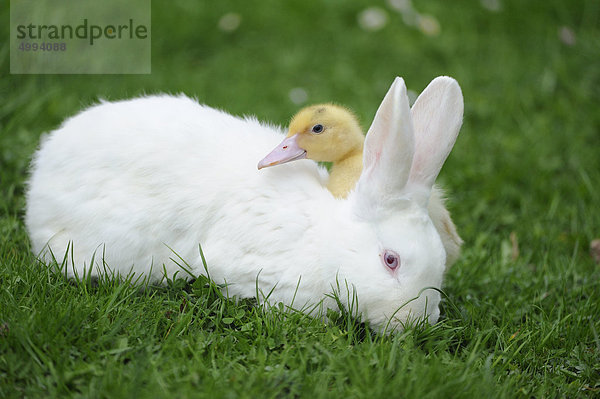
(288, 150)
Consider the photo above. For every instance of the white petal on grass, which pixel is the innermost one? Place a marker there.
(548, 81)
(429, 25)
(567, 36)
(372, 19)
(400, 5)
(298, 95)
(595, 250)
(410, 17)
(230, 22)
(491, 5)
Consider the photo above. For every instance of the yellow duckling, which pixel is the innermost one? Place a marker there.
(326, 133)
(330, 133)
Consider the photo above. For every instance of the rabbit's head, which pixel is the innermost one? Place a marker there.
(399, 254)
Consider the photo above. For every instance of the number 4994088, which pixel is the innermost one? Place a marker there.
(44, 46)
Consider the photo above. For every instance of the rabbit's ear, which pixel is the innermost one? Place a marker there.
(437, 117)
(388, 148)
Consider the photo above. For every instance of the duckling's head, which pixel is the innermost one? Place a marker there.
(323, 132)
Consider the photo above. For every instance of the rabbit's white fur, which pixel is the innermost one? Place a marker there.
(137, 184)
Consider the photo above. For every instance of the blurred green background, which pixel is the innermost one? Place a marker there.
(523, 179)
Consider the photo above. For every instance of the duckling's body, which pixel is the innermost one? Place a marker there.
(344, 174)
(330, 133)
(325, 133)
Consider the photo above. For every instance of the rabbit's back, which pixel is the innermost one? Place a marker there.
(137, 181)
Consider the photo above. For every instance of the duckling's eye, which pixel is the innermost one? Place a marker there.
(318, 129)
(391, 259)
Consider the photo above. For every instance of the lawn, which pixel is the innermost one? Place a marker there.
(521, 308)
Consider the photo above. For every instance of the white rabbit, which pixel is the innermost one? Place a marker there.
(137, 184)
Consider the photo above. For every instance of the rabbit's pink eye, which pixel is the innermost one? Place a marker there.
(391, 259)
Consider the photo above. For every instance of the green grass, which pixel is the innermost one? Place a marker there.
(521, 313)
